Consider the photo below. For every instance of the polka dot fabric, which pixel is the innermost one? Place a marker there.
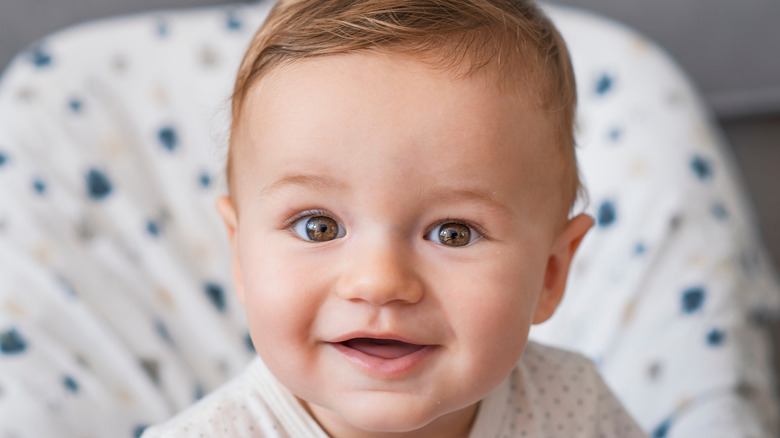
(116, 306)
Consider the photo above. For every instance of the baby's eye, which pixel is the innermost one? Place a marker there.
(318, 229)
(453, 234)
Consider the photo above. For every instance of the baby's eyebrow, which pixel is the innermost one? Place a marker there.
(452, 194)
(302, 180)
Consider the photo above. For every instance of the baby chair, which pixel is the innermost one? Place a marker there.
(116, 304)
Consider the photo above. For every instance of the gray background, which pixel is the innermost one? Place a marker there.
(730, 48)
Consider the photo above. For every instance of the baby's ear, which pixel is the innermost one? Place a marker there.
(558, 266)
(228, 212)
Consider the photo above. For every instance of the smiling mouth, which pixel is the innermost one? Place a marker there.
(382, 348)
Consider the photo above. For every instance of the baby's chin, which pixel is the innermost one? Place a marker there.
(398, 418)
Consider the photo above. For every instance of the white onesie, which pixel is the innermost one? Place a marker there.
(550, 393)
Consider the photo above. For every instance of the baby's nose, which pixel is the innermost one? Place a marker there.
(381, 272)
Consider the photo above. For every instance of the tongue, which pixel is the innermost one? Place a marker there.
(384, 348)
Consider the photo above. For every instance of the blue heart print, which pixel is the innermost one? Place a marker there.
(716, 337)
(162, 28)
(75, 105)
(98, 185)
(232, 21)
(70, 384)
(168, 138)
(216, 295)
(692, 299)
(615, 134)
(39, 186)
(720, 212)
(604, 84)
(701, 167)
(205, 179)
(40, 57)
(606, 215)
(11, 342)
(153, 228)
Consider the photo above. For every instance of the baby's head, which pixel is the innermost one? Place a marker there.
(401, 174)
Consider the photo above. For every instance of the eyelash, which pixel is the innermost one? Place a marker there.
(292, 220)
(475, 227)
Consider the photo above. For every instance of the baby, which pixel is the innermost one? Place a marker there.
(401, 174)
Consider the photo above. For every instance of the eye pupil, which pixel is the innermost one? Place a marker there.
(454, 234)
(321, 229)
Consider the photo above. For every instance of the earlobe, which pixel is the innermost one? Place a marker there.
(558, 264)
(226, 209)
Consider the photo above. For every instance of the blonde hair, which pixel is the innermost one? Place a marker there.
(513, 37)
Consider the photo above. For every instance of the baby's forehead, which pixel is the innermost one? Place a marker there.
(407, 109)
(306, 75)
(390, 85)
(393, 91)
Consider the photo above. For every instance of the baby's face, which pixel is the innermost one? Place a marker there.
(394, 238)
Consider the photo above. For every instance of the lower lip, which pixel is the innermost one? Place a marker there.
(382, 367)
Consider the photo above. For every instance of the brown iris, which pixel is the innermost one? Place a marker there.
(454, 234)
(321, 229)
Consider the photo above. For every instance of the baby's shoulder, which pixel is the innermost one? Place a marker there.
(555, 376)
(562, 391)
(234, 409)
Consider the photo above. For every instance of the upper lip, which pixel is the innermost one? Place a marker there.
(382, 336)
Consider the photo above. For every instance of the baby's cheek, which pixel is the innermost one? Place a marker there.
(496, 320)
(279, 335)
(270, 315)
